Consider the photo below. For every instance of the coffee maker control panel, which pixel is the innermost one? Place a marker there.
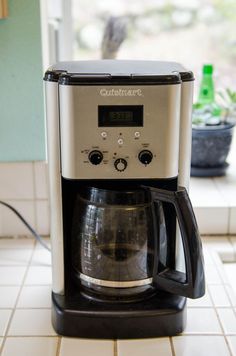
(119, 137)
(145, 157)
(96, 157)
(120, 159)
(120, 164)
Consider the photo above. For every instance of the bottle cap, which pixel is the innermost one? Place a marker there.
(207, 69)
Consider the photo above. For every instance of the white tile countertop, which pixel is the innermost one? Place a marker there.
(214, 200)
(25, 315)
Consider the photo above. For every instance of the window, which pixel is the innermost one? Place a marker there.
(191, 32)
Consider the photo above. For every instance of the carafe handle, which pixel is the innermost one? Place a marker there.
(192, 283)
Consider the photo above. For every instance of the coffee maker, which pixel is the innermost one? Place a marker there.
(126, 251)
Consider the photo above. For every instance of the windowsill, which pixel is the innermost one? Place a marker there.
(214, 200)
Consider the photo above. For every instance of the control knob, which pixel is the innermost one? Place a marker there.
(120, 164)
(145, 157)
(95, 157)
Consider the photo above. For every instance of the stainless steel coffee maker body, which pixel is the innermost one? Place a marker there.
(119, 135)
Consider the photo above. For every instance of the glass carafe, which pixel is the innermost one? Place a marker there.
(114, 241)
(118, 243)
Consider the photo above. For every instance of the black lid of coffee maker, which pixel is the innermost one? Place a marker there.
(128, 196)
(112, 72)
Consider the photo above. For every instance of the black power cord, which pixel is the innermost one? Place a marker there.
(34, 233)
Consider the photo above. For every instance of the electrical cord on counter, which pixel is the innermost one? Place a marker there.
(34, 233)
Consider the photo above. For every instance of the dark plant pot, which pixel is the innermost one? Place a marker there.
(210, 148)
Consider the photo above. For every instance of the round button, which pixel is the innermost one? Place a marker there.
(137, 134)
(95, 157)
(120, 141)
(104, 134)
(120, 164)
(145, 157)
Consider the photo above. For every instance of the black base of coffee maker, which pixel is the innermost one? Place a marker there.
(163, 314)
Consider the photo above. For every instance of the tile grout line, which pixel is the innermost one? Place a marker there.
(58, 346)
(210, 333)
(28, 308)
(172, 346)
(27, 285)
(17, 299)
(39, 308)
(34, 336)
(115, 347)
(228, 345)
(18, 238)
(49, 284)
(23, 199)
(25, 265)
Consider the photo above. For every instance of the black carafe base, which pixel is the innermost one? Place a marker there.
(163, 314)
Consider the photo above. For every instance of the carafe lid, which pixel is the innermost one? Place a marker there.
(116, 195)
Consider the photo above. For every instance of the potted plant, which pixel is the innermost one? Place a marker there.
(212, 134)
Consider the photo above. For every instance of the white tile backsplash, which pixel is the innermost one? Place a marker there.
(25, 186)
(11, 224)
(232, 221)
(233, 241)
(42, 217)
(227, 188)
(16, 243)
(16, 181)
(217, 243)
(203, 193)
(212, 220)
(41, 180)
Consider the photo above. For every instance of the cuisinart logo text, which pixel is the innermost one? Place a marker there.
(121, 92)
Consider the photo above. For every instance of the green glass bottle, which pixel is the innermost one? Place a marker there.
(207, 91)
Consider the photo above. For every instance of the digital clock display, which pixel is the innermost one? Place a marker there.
(120, 115)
